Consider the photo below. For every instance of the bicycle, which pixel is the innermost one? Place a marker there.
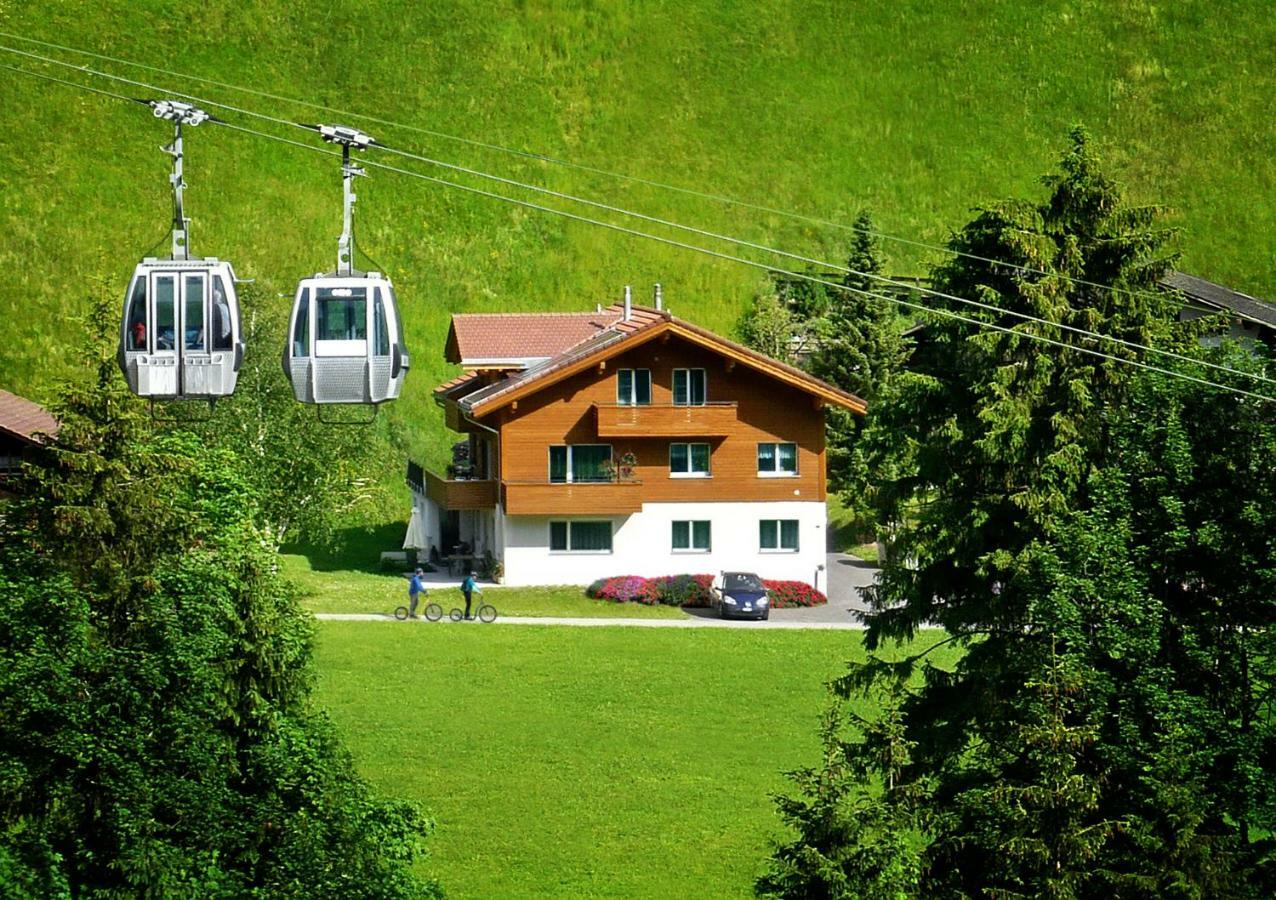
(433, 612)
(486, 613)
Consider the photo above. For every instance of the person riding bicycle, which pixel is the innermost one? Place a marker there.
(416, 587)
(468, 587)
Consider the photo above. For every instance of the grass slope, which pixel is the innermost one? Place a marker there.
(917, 110)
(585, 762)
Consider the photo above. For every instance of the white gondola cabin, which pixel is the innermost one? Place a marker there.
(345, 341)
(180, 332)
(345, 338)
(180, 337)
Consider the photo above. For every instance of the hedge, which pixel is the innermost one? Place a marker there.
(690, 591)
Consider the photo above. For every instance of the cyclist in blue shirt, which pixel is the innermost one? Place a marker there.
(416, 587)
(468, 587)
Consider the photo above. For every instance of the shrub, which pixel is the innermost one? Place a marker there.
(670, 590)
(622, 589)
(787, 594)
(681, 590)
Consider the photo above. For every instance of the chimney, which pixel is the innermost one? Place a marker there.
(629, 299)
(660, 299)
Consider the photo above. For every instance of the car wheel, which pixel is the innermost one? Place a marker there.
(766, 615)
(722, 611)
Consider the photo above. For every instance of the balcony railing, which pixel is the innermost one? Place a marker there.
(460, 493)
(540, 498)
(665, 420)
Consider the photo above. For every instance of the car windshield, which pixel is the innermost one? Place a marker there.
(741, 581)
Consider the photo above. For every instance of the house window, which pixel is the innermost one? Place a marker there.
(689, 460)
(688, 387)
(580, 462)
(580, 537)
(778, 535)
(633, 387)
(777, 460)
(690, 537)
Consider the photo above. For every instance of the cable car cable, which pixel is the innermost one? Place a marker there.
(943, 313)
(718, 198)
(714, 253)
(692, 229)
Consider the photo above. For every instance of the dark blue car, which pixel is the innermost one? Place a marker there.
(741, 596)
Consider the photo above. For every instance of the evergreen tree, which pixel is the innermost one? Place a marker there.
(860, 348)
(854, 817)
(768, 326)
(1051, 499)
(157, 733)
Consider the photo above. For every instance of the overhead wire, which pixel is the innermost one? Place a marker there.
(676, 225)
(634, 179)
(921, 308)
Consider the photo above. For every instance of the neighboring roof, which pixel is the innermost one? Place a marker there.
(500, 340)
(24, 419)
(1216, 295)
(448, 386)
(625, 334)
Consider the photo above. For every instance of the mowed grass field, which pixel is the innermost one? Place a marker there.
(563, 762)
(916, 110)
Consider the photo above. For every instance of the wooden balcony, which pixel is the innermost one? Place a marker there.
(604, 498)
(710, 420)
(470, 494)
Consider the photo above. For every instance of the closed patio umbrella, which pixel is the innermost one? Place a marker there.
(415, 538)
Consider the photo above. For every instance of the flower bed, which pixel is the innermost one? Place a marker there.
(788, 594)
(691, 591)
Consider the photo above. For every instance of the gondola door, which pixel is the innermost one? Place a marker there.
(161, 378)
(197, 373)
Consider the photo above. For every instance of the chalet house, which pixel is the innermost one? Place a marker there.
(627, 442)
(24, 427)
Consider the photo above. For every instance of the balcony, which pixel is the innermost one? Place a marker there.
(604, 498)
(710, 420)
(460, 494)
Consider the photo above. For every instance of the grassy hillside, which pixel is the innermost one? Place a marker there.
(916, 110)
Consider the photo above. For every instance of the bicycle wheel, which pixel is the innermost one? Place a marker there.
(433, 612)
(456, 615)
(401, 613)
(487, 613)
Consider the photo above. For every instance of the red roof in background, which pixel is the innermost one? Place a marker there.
(516, 336)
(24, 418)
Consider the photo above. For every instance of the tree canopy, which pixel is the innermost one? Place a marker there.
(157, 732)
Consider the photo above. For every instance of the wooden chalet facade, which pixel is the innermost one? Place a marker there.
(627, 441)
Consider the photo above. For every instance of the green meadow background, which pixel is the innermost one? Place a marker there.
(918, 111)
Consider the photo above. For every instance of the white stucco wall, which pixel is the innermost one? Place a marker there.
(641, 544)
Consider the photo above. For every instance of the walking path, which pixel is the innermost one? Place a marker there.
(604, 622)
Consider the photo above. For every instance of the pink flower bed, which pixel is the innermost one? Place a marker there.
(693, 591)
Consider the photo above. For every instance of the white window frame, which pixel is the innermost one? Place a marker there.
(691, 547)
(707, 473)
(777, 472)
(632, 399)
(779, 536)
(569, 551)
(704, 377)
(611, 455)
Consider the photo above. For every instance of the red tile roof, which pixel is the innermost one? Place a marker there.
(643, 320)
(489, 337)
(25, 419)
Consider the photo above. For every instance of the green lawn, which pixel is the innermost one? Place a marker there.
(569, 761)
(332, 590)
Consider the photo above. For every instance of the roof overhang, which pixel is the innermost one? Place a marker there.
(782, 372)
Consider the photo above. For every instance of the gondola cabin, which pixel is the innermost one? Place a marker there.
(180, 338)
(345, 341)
